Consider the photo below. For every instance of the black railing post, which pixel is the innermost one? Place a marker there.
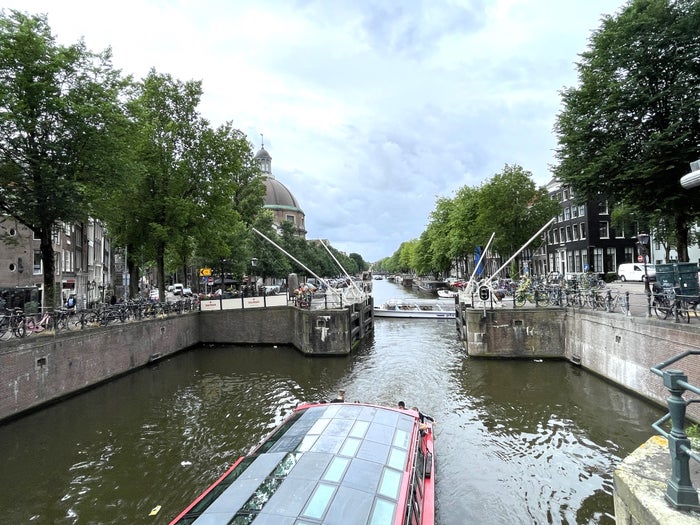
(679, 489)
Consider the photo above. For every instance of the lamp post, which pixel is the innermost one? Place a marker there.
(254, 264)
(643, 239)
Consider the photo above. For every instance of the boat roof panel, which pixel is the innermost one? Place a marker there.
(336, 463)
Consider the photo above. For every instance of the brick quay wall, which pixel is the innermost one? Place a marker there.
(44, 368)
(620, 348)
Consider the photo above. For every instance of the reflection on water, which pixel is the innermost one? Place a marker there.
(517, 441)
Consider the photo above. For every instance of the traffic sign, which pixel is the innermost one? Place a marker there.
(640, 258)
(484, 293)
(204, 272)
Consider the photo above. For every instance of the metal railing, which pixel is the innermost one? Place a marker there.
(679, 489)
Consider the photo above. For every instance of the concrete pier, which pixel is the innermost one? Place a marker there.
(640, 487)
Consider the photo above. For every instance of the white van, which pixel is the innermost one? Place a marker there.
(177, 288)
(635, 272)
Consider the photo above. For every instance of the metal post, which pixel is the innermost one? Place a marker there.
(643, 239)
(679, 489)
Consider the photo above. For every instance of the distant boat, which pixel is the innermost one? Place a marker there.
(416, 309)
(429, 287)
(444, 293)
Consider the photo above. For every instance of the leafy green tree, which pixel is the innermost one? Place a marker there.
(198, 188)
(511, 205)
(61, 127)
(631, 127)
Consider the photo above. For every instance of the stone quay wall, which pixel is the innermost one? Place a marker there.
(47, 367)
(44, 368)
(619, 348)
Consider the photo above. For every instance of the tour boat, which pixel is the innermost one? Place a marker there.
(416, 308)
(329, 463)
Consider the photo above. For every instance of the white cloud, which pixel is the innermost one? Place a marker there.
(370, 109)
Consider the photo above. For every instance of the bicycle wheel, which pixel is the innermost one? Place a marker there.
(5, 332)
(662, 307)
(621, 304)
(20, 328)
(599, 300)
(31, 326)
(542, 298)
(519, 299)
(683, 313)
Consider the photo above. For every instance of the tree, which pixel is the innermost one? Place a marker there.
(61, 130)
(631, 128)
(198, 189)
(512, 206)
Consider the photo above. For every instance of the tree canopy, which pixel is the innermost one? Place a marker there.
(61, 130)
(630, 129)
(509, 204)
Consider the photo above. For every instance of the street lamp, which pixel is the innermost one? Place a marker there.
(254, 264)
(643, 239)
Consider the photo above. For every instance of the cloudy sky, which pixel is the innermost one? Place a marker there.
(370, 109)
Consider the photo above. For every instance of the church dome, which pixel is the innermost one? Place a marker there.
(278, 196)
(278, 199)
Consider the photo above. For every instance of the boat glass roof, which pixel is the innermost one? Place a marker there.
(330, 460)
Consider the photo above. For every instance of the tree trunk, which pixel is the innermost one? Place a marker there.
(160, 269)
(682, 231)
(48, 262)
(133, 275)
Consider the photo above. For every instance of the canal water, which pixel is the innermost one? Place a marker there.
(516, 441)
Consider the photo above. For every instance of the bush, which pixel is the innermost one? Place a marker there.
(610, 277)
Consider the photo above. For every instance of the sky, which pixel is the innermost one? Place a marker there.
(370, 109)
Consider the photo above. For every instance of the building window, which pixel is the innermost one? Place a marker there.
(565, 194)
(568, 234)
(629, 254)
(598, 260)
(560, 218)
(575, 232)
(561, 235)
(556, 236)
(603, 207)
(36, 269)
(290, 218)
(583, 230)
(574, 212)
(604, 230)
(610, 259)
(567, 213)
(619, 234)
(581, 210)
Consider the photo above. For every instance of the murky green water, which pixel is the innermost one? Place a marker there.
(517, 441)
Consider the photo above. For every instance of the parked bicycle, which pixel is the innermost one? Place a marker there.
(35, 325)
(666, 304)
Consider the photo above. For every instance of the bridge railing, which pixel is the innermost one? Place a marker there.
(679, 489)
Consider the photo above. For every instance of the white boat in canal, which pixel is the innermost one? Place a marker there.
(416, 308)
(444, 293)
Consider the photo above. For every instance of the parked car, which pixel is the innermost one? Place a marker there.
(177, 288)
(635, 272)
(187, 292)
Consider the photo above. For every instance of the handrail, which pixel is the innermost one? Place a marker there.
(679, 489)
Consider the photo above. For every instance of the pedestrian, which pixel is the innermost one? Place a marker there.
(402, 405)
